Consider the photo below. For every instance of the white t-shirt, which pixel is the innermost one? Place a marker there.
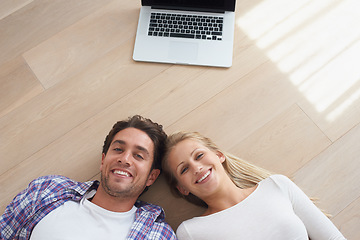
(277, 209)
(84, 220)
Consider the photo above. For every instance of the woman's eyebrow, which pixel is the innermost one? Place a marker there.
(194, 151)
(182, 163)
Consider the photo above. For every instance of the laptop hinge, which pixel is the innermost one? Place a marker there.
(187, 9)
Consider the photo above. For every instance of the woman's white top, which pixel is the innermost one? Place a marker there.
(277, 209)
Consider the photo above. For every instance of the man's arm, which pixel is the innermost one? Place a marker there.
(19, 212)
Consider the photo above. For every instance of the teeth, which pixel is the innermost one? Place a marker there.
(122, 173)
(203, 177)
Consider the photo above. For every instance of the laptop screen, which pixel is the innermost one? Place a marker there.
(202, 5)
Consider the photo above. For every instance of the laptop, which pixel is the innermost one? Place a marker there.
(192, 32)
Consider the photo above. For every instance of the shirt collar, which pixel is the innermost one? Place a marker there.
(83, 187)
(156, 210)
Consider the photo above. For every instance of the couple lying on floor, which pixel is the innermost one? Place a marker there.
(242, 201)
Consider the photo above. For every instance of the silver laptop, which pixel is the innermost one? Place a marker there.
(195, 32)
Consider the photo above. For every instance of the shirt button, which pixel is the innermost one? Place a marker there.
(55, 199)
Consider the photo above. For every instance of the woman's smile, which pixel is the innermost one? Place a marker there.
(205, 177)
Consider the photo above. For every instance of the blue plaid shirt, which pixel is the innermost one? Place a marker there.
(45, 194)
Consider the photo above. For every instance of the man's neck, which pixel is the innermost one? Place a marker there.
(110, 203)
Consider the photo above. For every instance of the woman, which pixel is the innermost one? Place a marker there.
(243, 201)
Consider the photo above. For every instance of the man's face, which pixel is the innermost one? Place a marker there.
(125, 169)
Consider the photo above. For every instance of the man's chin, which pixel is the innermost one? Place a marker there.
(119, 190)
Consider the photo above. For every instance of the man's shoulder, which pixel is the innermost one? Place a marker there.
(58, 181)
(160, 229)
(151, 208)
(146, 206)
(47, 178)
(53, 179)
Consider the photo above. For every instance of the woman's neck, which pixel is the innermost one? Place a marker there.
(228, 195)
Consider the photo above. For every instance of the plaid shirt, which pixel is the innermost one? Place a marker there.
(45, 194)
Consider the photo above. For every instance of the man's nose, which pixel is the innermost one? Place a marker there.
(125, 158)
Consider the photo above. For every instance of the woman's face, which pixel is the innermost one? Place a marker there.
(197, 169)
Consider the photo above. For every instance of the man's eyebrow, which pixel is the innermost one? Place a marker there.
(137, 146)
(143, 149)
(118, 141)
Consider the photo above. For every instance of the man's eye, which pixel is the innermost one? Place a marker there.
(118, 149)
(139, 156)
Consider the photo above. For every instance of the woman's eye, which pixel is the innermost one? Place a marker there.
(184, 170)
(199, 156)
(118, 149)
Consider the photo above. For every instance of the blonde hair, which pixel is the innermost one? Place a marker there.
(242, 173)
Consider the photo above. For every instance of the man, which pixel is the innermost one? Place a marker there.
(55, 207)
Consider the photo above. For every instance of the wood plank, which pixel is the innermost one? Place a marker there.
(333, 100)
(284, 144)
(48, 116)
(348, 220)
(8, 7)
(320, 61)
(198, 89)
(242, 108)
(333, 175)
(18, 85)
(71, 50)
(39, 20)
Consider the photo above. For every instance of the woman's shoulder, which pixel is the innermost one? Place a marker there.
(199, 226)
(181, 231)
(279, 181)
(279, 178)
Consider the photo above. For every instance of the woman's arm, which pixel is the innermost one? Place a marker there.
(317, 224)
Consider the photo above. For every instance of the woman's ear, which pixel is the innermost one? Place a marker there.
(221, 156)
(182, 190)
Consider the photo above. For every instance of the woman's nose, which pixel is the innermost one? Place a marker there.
(197, 168)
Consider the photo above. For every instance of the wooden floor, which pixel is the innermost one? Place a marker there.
(289, 103)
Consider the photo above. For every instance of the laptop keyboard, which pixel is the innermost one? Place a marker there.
(186, 26)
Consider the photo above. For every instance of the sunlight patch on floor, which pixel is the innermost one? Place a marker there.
(316, 43)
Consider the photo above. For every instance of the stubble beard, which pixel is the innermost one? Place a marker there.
(118, 191)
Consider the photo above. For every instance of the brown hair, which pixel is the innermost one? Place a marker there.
(153, 130)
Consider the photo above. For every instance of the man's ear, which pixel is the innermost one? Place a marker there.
(221, 156)
(153, 176)
(182, 190)
(102, 161)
